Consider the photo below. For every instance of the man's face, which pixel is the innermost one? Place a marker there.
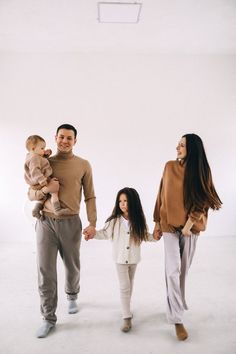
(65, 140)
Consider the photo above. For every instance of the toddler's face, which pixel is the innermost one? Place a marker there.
(40, 148)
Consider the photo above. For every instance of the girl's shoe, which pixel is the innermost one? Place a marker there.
(127, 324)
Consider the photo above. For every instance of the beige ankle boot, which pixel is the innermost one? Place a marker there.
(181, 332)
(127, 324)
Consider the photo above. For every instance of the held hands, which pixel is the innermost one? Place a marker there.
(89, 232)
(157, 233)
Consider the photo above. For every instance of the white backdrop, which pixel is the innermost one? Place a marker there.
(130, 111)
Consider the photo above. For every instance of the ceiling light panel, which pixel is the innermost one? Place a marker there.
(119, 12)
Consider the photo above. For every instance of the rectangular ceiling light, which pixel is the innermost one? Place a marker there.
(119, 12)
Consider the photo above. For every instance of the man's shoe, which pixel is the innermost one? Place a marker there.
(43, 331)
(127, 324)
(181, 332)
(72, 307)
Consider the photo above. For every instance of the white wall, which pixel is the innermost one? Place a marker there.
(130, 111)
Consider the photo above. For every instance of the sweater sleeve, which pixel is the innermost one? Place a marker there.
(199, 219)
(36, 174)
(156, 214)
(106, 232)
(89, 195)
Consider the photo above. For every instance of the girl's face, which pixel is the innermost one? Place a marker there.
(181, 149)
(39, 149)
(123, 204)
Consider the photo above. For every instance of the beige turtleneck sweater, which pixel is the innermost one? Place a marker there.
(74, 174)
(169, 210)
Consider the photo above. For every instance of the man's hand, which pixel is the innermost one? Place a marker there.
(89, 232)
(52, 187)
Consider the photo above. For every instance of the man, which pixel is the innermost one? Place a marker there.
(63, 233)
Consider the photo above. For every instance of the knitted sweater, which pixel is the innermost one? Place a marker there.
(169, 209)
(74, 175)
(37, 169)
(124, 249)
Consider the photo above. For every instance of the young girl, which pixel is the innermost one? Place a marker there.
(185, 195)
(127, 228)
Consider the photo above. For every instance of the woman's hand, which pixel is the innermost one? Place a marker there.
(186, 230)
(157, 233)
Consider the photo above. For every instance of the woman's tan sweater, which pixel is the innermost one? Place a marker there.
(169, 210)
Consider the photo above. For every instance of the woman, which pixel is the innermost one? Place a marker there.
(185, 195)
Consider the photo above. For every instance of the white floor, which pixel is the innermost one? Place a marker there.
(211, 295)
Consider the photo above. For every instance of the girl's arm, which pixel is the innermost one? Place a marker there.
(106, 232)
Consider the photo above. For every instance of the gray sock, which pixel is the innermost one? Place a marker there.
(43, 331)
(72, 307)
(58, 210)
(36, 211)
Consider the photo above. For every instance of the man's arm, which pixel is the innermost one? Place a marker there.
(89, 197)
(52, 187)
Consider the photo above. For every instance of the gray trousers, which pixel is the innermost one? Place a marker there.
(126, 279)
(179, 252)
(53, 235)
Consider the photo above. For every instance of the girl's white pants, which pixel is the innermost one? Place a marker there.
(179, 252)
(126, 278)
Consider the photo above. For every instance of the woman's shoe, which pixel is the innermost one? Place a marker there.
(181, 332)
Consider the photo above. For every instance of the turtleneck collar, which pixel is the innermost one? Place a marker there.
(64, 155)
(181, 162)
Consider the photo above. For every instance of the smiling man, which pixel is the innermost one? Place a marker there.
(63, 233)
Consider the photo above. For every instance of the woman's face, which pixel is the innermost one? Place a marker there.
(181, 149)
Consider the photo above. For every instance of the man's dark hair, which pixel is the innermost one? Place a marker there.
(68, 127)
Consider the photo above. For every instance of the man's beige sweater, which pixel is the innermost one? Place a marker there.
(169, 209)
(74, 175)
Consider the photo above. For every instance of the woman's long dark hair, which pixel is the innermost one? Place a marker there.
(199, 190)
(137, 220)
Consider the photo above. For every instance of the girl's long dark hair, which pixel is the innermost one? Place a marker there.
(199, 190)
(137, 220)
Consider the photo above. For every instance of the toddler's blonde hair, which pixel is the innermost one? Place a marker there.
(32, 141)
